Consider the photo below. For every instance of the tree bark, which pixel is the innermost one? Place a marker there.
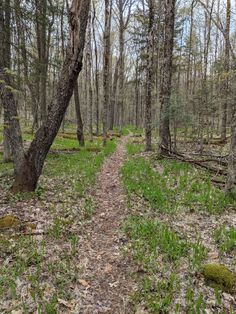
(231, 178)
(80, 131)
(149, 87)
(165, 90)
(96, 73)
(7, 57)
(225, 87)
(106, 68)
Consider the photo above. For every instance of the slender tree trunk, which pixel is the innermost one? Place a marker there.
(137, 87)
(148, 108)
(90, 91)
(165, 90)
(231, 178)
(113, 97)
(96, 73)
(106, 67)
(41, 27)
(225, 87)
(80, 131)
(121, 63)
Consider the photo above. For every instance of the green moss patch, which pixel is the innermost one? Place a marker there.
(9, 221)
(220, 277)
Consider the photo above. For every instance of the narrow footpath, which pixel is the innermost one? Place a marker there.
(106, 283)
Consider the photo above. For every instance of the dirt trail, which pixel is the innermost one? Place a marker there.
(106, 270)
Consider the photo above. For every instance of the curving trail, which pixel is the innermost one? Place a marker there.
(106, 283)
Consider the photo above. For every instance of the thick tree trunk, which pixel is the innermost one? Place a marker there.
(6, 142)
(6, 56)
(29, 165)
(165, 91)
(80, 131)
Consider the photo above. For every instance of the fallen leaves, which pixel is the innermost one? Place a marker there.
(67, 304)
(83, 282)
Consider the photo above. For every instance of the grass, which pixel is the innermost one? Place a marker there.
(151, 242)
(150, 238)
(157, 294)
(171, 188)
(178, 186)
(133, 149)
(225, 238)
(140, 178)
(81, 166)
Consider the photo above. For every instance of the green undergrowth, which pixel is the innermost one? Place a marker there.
(170, 186)
(129, 129)
(225, 239)
(169, 264)
(133, 149)
(159, 252)
(81, 166)
(40, 273)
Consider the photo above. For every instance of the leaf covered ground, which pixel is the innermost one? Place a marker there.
(39, 269)
(114, 232)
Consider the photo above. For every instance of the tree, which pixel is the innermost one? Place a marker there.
(80, 127)
(149, 88)
(28, 165)
(165, 89)
(106, 67)
(231, 178)
(5, 55)
(225, 87)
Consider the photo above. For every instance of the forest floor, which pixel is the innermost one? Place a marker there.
(179, 221)
(114, 230)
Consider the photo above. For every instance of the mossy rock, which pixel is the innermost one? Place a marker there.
(9, 221)
(220, 276)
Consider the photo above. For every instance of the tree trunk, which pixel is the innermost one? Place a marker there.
(106, 68)
(80, 131)
(165, 90)
(29, 165)
(90, 91)
(7, 57)
(113, 97)
(225, 87)
(231, 178)
(41, 31)
(96, 73)
(149, 87)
